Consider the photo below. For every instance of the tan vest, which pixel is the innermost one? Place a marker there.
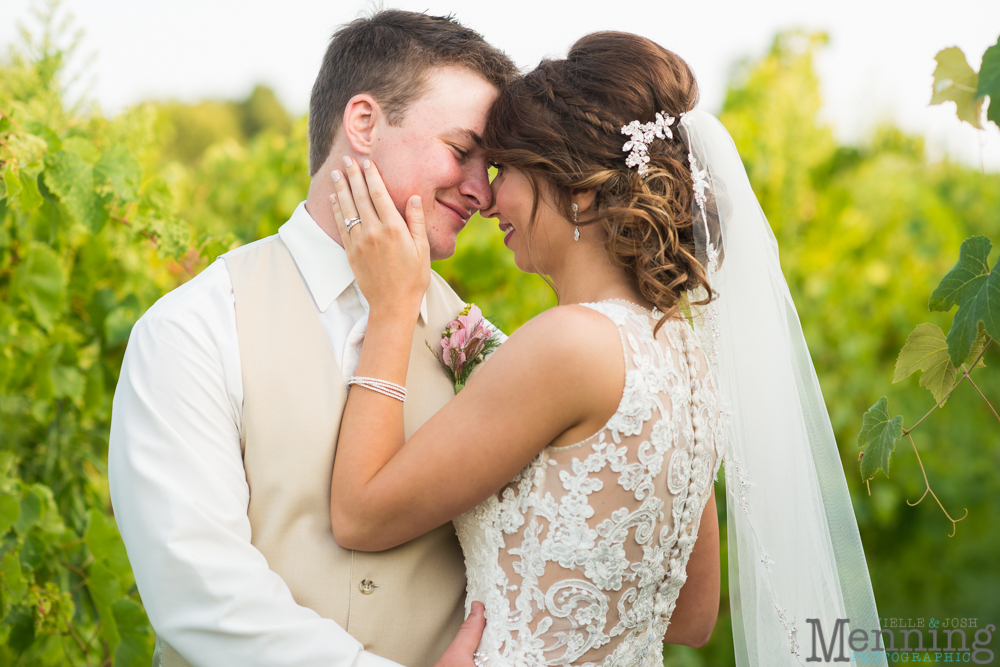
(412, 600)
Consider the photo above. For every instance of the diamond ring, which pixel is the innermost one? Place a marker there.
(350, 222)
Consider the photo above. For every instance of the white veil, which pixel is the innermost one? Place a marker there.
(794, 548)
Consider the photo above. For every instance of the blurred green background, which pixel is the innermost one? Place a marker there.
(101, 216)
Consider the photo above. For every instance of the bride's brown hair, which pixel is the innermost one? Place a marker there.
(561, 123)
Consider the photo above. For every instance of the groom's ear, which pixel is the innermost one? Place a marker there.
(360, 115)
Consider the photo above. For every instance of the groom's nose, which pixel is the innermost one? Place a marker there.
(476, 189)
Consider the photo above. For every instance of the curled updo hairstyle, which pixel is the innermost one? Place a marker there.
(561, 125)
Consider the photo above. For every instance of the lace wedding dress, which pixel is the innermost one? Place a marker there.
(580, 558)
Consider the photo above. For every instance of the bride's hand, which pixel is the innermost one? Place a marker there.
(389, 255)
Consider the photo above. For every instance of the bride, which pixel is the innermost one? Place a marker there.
(577, 463)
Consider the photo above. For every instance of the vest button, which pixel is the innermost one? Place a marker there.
(367, 586)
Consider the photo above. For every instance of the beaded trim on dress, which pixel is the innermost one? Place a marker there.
(579, 560)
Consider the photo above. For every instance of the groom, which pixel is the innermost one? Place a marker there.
(229, 402)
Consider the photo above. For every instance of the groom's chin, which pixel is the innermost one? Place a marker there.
(441, 244)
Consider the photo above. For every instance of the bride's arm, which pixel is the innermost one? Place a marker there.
(697, 607)
(531, 391)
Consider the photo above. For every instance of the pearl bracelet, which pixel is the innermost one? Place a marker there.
(384, 387)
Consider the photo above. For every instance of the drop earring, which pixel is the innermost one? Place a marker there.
(576, 232)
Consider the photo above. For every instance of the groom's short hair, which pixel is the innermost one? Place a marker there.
(388, 55)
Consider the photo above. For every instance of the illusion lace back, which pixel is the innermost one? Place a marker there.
(580, 558)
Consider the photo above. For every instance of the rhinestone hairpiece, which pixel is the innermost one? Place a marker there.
(641, 135)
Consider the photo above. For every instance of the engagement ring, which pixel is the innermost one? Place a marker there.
(350, 222)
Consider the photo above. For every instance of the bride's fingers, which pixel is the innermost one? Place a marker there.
(344, 195)
(415, 223)
(359, 191)
(379, 195)
(338, 216)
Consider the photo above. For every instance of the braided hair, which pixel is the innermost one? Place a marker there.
(561, 124)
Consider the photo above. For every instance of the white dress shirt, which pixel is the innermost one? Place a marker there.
(178, 485)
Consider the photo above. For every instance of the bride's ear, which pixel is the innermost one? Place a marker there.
(584, 199)
(360, 116)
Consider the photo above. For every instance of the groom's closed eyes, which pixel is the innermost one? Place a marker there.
(465, 142)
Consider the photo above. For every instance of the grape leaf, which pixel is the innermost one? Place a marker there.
(136, 647)
(989, 81)
(38, 509)
(51, 519)
(21, 186)
(985, 308)
(926, 350)
(119, 322)
(965, 278)
(27, 149)
(105, 589)
(29, 198)
(31, 512)
(93, 394)
(878, 437)
(71, 178)
(10, 571)
(11, 181)
(118, 170)
(82, 147)
(68, 382)
(21, 622)
(105, 543)
(976, 290)
(104, 586)
(977, 347)
(955, 81)
(40, 283)
(212, 246)
(173, 236)
(10, 510)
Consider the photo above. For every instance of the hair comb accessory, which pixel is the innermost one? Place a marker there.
(641, 135)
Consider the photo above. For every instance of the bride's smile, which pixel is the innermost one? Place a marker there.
(508, 230)
(533, 240)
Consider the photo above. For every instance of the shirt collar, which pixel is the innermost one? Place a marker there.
(321, 260)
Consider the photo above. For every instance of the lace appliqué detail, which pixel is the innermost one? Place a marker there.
(580, 559)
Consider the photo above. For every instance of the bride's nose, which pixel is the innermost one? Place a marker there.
(491, 210)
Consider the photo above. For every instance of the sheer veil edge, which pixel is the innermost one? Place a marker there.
(795, 552)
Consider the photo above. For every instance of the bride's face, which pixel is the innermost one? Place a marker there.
(547, 236)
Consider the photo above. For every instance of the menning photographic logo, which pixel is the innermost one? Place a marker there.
(869, 645)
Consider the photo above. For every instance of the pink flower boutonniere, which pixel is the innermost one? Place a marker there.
(466, 342)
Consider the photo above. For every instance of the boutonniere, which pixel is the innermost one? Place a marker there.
(465, 343)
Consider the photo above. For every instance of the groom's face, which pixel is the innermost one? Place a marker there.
(436, 153)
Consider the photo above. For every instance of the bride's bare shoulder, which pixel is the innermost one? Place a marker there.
(561, 339)
(574, 327)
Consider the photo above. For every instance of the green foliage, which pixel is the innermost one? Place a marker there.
(186, 131)
(261, 111)
(482, 270)
(88, 240)
(976, 291)
(861, 230)
(956, 81)
(926, 350)
(989, 80)
(878, 438)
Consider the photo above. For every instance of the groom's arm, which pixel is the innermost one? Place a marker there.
(180, 495)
